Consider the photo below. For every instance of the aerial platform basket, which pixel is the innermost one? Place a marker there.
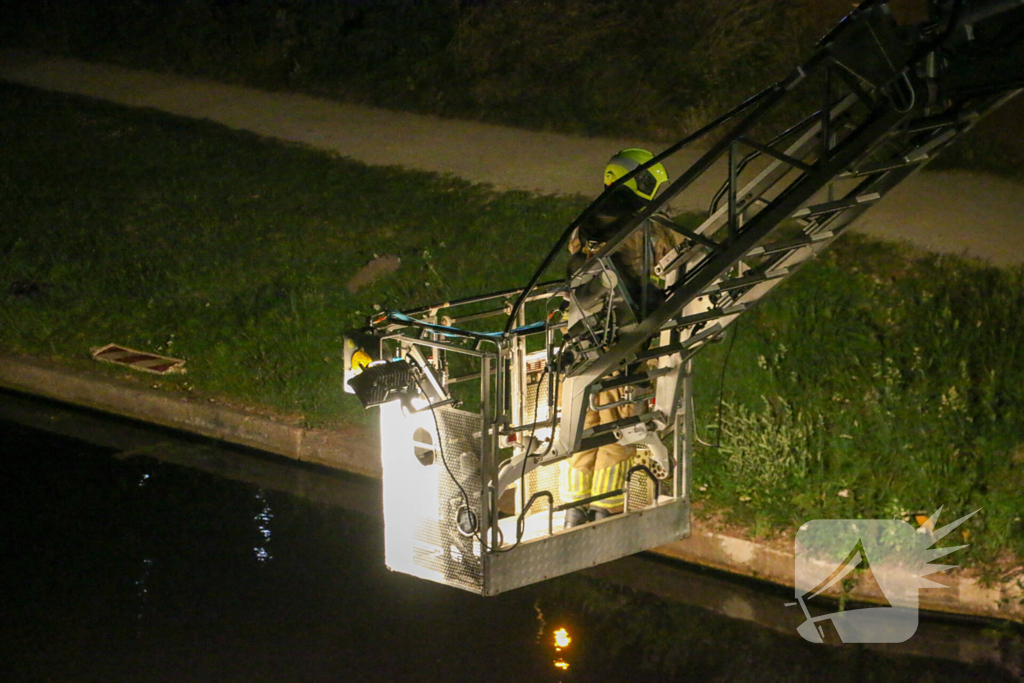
(456, 510)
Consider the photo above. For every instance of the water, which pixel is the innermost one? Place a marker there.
(119, 565)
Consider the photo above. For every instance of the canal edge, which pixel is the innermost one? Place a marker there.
(351, 450)
(356, 451)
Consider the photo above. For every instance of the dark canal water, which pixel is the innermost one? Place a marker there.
(120, 565)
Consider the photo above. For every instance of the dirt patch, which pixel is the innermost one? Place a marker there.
(373, 271)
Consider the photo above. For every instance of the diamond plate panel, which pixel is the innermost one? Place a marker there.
(581, 547)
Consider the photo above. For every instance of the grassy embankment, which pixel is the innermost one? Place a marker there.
(643, 69)
(177, 236)
(878, 382)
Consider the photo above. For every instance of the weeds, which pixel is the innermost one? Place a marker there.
(768, 452)
(877, 383)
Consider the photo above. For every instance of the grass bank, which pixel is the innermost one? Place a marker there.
(178, 236)
(877, 382)
(644, 69)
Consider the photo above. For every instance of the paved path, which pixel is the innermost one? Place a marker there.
(951, 211)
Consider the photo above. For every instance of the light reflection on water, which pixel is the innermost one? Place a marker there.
(262, 520)
(139, 570)
(562, 641)
(142, 592)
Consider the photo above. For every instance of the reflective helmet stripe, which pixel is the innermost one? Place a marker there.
(624, 161)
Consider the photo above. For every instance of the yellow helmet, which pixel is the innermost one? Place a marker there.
(645, 183)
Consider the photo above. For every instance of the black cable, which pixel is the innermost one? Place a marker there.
(520, 527)
(444, 461)
(475, 520)
(951, 24)
(721, 381)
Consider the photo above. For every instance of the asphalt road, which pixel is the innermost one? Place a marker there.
(973, 214)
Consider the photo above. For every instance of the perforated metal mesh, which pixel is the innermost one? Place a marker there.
(640, 491)
(440, 546)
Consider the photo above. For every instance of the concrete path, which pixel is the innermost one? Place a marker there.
(959, 212)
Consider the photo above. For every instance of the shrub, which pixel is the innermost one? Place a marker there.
(769, 452)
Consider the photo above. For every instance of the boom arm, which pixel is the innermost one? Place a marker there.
(891, 98)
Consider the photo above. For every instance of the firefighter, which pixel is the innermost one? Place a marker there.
(602, 470)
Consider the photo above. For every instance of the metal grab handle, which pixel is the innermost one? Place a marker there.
(521, 522)
(588, 500)
(629, 476)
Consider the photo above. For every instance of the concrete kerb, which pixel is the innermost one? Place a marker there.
(356, 450)
(351, 450)
(963, 594)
